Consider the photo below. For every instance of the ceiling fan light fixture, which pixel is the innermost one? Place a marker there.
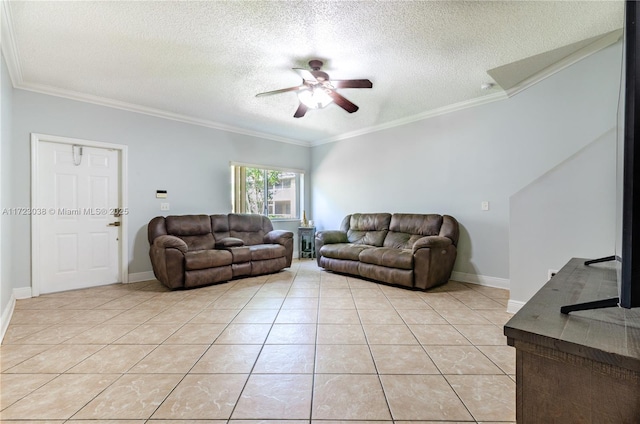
(317, 91)
(314, 98)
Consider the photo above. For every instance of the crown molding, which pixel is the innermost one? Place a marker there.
(102, 101)
(490, 98)
(8, 42)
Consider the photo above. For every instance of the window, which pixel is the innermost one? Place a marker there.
(265, 191)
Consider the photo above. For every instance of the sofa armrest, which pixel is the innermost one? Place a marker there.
(228, 242)
(331, 237)
(164, 242)
(328, 237)
(278, 236)
(283, 238)
(167, 259)
(432, 242)
(433, 259)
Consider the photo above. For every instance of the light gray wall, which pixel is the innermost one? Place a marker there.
(190, 162)
(450, 163)
(6, 102)
(568, 212)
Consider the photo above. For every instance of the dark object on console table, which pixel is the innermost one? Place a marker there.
(410, 250)
(197, 250)
(306, 242)
(577, 368)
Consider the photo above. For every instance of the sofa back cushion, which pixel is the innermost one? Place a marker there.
(250, 228)
(406, 229)
(220, 226)
(366, 228)
(195, 230)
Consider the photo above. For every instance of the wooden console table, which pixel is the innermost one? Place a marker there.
(578, 368)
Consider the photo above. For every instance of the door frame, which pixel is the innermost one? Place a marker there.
(36, 222)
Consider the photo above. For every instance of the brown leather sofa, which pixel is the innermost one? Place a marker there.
(410, 250)
(196, 250)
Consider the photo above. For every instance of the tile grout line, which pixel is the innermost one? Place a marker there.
(315, 354)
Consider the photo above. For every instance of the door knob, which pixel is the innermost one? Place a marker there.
(114, 224)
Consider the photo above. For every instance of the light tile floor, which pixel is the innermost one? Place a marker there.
(303, 345)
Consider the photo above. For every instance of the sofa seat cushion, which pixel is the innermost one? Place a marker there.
(389, 257)
(240, 254)
(347, 251)
(262, 252)
(203, 259)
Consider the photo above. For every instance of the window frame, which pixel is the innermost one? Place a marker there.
(238, 181)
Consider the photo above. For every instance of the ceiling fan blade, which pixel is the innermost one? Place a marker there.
(354, 83)
(283, 90)
(302, 109)
(342, 102)
(306, 74)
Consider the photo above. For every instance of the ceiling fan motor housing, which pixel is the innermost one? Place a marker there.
(315, 64)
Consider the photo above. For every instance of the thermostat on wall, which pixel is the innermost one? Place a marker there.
(161, 194)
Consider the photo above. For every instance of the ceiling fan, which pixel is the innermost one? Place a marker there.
(318, 90)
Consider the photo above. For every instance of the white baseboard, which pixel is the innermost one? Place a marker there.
(22, 293)
(483, 280)
(19, 293)
(136, 277)
(6, 316)
(514, 306)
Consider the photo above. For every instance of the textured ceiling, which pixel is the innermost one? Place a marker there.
(204, 62)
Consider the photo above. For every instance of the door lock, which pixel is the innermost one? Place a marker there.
(114, 224)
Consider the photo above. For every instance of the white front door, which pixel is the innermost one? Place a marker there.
(78, 212)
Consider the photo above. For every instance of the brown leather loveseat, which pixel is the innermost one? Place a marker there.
(197, 250)
(411, 250)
